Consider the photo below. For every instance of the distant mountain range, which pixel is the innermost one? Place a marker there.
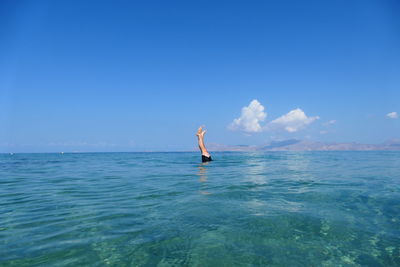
(303, 145)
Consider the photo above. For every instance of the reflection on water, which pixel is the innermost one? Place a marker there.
(256, 168)
(297, 161)
(202, 173)
(265, 172)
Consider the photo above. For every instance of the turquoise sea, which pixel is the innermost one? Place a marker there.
(168, 209)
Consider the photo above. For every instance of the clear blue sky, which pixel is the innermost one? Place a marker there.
(142, 75)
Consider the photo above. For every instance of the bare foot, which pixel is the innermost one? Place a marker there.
(200, 131)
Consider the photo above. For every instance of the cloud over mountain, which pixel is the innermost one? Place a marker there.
(253, 115)
(291, 122)
(250, 118)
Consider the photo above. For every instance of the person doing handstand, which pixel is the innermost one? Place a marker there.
(205, 156)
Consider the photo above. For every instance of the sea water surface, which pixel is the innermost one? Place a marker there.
(168, 209)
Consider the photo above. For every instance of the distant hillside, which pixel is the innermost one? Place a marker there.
(302, 145)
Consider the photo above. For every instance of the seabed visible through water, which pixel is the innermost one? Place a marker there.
(168, 209)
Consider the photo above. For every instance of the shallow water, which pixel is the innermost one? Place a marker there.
(168, 209)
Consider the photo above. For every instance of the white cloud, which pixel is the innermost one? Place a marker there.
(329, 122)
(249, 120)
(291, 122)
(252, 115)
(392, 115)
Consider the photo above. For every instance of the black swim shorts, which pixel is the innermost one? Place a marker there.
(205, 158)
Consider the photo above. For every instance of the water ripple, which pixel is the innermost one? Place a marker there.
(167, 209)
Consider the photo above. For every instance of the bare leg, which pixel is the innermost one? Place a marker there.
(200, 136)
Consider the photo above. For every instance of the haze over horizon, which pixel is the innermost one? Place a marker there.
(124, 76)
